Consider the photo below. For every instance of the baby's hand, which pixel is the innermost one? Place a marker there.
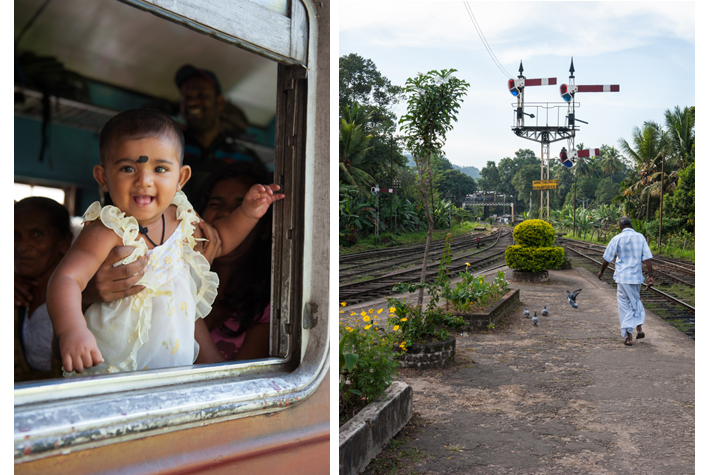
(79, 350)
(259, 198)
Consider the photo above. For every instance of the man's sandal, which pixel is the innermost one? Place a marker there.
(640, 335)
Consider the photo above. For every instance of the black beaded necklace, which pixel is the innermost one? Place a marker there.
(144, 231)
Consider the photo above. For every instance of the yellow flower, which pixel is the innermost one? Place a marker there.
(363, 313)
(352, 313)
(351, 330)
(348, 329)
(365, 318)
(368, 327)
(468, 265)
(370, 311)
(403, 320)
(396, 327)
(183, 306)
(342, 311)
(392, 309)
(343, 304)
(379, 311)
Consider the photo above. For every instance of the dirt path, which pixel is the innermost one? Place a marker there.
(564, 397)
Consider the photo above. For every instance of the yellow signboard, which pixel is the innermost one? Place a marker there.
(544, 184)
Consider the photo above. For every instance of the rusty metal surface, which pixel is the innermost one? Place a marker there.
(294, 440)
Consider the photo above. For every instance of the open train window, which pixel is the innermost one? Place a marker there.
(115, 55)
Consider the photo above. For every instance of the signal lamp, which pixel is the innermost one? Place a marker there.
(565, 93)
(513, 88)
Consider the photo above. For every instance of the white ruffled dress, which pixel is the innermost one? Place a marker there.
(156, 327)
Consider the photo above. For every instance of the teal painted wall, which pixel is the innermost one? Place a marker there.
(70, 157)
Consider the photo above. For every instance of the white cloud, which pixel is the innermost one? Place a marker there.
(520, 30)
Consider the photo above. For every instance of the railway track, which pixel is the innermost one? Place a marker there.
(386, 272)
(673, 295)
(677, 270)
(382, 261)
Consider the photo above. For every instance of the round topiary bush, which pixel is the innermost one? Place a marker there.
(534, 259)
(534, 233)
(534, 251)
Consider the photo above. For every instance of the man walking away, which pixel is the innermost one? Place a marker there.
(631, 250)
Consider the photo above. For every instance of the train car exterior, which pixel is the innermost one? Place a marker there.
(264, 416)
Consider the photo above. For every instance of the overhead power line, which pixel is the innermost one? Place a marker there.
(485, 43)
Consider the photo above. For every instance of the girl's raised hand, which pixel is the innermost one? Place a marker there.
(259, 198)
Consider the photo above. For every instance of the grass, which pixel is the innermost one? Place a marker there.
(666, 250)
(683, 292)
(391, 240)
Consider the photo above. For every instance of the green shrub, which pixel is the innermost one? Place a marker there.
(670, 226)
(534, 233)
(533, 259)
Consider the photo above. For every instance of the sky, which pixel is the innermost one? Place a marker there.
(647, 48)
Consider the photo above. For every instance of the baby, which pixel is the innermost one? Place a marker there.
(141, 168)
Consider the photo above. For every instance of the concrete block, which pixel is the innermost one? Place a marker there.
(363, 436)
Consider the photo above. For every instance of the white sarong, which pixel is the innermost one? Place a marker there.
(631, 312)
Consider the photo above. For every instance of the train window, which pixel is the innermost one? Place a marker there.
(58, 416)
(24, 190)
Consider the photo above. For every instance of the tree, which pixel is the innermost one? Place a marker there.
(681, 124)
(682, 203)
(610, 161)
(433, 101)
(362, 83)
(353, 144)
(489, 180)
(458, 184)
(649, 145)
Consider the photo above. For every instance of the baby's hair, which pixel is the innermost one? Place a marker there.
(56, 213)
(136, 124)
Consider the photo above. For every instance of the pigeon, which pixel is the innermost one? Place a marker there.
(545, 312)
(535, 319)
(572, 297)
(526, 313)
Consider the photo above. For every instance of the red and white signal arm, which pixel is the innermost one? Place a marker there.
(586, 153)
(568, 92)
(515, 86)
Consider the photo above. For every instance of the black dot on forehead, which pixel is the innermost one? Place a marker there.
(142, 159)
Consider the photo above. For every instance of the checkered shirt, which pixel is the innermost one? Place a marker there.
(630, 249)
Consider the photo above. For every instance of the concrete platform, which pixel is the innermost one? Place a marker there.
(564, 397)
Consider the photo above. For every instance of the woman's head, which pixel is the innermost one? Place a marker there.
(141, 163)
(42, 236)
(223, 191)
(247, 290)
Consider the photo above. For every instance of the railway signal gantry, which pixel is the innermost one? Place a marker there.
(548, 133)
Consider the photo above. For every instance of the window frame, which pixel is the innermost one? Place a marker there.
(60, 416)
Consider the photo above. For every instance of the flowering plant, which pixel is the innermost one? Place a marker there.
(367, 362)
(474, 290)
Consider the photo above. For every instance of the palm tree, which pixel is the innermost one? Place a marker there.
(354, 144)
(611, 162)
(681, 124)
(650, 143)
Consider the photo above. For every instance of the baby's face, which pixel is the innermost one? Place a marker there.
(143, 176)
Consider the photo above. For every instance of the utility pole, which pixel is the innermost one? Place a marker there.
(391, 177)
(660, 212)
